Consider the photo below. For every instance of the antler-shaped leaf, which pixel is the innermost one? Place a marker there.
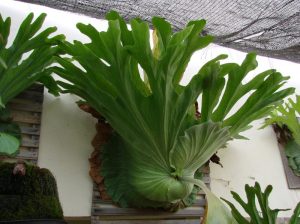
(18, 71)
(265, 215)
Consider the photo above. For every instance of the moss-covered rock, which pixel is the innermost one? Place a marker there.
(30, 196)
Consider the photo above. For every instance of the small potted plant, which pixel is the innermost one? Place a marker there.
(158, 141)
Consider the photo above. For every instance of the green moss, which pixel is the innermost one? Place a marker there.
(32, 196)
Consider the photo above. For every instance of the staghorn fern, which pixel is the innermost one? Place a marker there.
(18, 72)
(285, 115)
(261, 214)
(159, 144)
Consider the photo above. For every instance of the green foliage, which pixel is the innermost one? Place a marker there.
(295, 219)
(33, 196)
(292, 152)
(286, 115)
(9, 144)
(159, 143)
(262, 214)
(10, 134)
(23, 63)
(216, 211)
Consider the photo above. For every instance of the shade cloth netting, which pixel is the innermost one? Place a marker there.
(269, 27)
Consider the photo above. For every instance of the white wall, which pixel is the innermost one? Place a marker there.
(67, 132)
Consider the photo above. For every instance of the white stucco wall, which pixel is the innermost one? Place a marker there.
(67, 132)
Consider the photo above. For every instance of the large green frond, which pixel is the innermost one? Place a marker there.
(159, 140)
(19, 71)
